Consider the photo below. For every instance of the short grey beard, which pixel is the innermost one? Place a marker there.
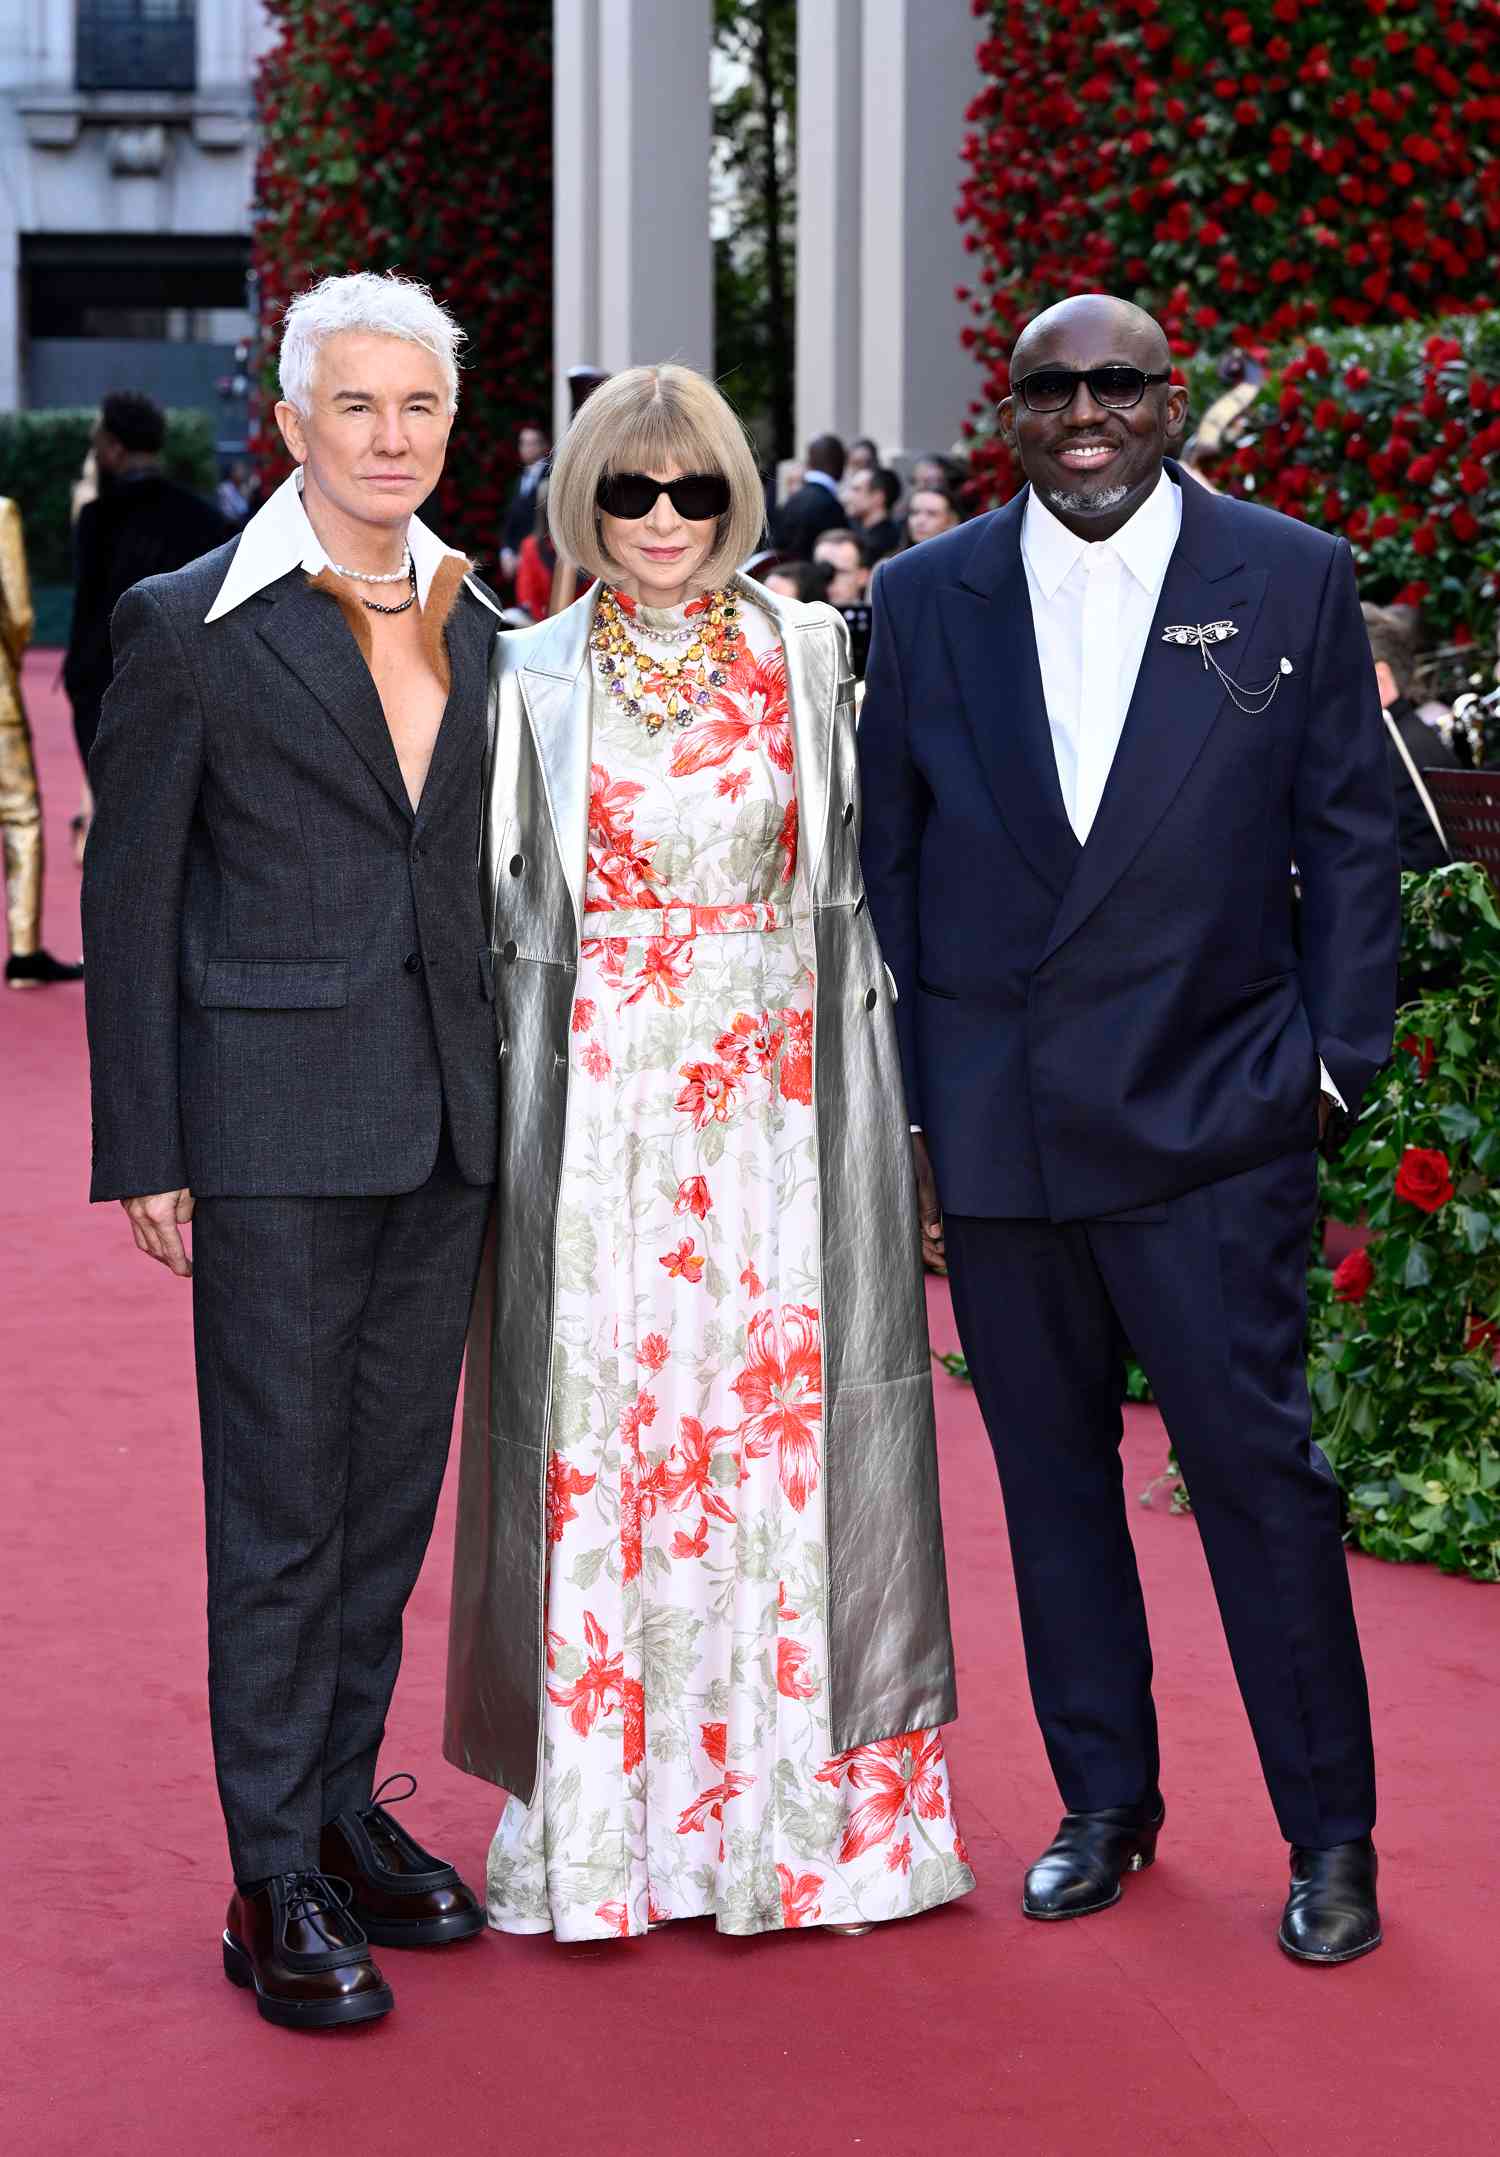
(1081, 505)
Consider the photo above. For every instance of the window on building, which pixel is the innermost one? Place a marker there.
(137, 45)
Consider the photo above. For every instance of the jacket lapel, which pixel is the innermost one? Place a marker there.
(1176, 701)
(986, 619)
(556, 689)
(309, 635)
(460, 738)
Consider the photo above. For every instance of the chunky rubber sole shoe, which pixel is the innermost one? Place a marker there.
(421, 1932)
(304, 2014)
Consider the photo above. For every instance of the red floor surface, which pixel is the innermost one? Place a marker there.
(1169, 2024)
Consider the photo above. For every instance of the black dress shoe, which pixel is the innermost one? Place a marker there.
(403, 1895)
(38, 970)
(294, 1944)
(1081, 1869)
(1331, 1915)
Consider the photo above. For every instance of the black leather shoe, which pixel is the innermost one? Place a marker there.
(1081, 1869)
(1331, 1915)
(293, 1943)
(403, 1896)
(38, 970)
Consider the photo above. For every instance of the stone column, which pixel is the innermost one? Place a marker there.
(829, 218)
(633, 262)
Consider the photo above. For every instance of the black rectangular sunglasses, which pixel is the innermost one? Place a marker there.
(1052, 389)
(697, 496)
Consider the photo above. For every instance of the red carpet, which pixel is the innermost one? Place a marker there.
(1169, 2024)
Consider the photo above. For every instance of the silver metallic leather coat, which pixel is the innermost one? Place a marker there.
(891, 1658)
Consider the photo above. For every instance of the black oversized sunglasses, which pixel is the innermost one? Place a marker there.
(1052, 389)
(697, 496)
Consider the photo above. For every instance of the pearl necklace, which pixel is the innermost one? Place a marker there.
(632, 675)
(371, 576)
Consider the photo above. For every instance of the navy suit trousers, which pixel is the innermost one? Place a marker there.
(329, 1336)
(1209, 1290)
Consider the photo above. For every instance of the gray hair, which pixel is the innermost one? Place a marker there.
(388, 306)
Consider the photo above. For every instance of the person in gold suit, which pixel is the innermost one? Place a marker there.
(28, 966)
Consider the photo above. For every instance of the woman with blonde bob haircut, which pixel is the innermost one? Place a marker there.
(700, 1614)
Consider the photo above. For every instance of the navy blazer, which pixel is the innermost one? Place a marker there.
(1088, 1030)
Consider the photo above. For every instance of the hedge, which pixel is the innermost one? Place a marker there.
(1248, 172)
(417, 135)
(1390, 436)
(41, 455)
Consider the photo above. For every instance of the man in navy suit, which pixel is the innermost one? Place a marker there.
(1100, 726)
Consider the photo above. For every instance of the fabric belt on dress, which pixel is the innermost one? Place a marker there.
(678, 923)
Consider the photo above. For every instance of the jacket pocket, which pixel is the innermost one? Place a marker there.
(275, 985)
(948, 996)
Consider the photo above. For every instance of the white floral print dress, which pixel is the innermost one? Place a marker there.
(686, 1764)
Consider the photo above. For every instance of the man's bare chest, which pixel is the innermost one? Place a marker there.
(412, 695)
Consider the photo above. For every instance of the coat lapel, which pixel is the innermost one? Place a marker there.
(986, 619)
(1176, 701)
(556, 688)
(812, 683)
(308, 633)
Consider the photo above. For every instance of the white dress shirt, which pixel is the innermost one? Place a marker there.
(280, 537)
(1092, 605)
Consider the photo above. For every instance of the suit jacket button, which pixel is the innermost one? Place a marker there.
(871, 999)
(509, 953)
(517, 864)
(859, 906)
(412, 962)
(848, 812)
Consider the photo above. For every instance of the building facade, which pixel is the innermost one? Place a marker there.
(126, 164)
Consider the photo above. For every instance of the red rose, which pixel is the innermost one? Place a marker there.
(1423, 1179)
(1464, 526)
(1481, 1333)
(1353, 1277)
(1425, 1052)
(1424, 540)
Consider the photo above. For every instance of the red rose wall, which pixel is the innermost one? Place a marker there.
(417, 135)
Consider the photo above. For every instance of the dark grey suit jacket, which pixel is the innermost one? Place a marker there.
(288, 977)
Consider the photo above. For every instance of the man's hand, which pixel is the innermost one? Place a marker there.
(155, 1223)
(929, 1213)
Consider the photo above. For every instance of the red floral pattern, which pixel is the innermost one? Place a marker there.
(687, 1686)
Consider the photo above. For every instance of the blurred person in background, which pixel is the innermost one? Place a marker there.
(234, 491)
(947, 474)
(815, 507)
(142, 524)
(930, 511)
(872, 497)
(805, 581)
(1413, 745)
(27, 965)
(840, 553)
(533, 447)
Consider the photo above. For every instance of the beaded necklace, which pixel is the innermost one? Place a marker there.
(681, 687)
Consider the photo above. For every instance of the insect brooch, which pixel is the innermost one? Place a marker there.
(1198, 636)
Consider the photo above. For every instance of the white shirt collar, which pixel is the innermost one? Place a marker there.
(1143, 543)
(280, 537)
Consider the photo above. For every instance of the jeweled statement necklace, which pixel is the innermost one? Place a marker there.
(679, 688)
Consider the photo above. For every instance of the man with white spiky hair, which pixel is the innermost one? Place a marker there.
(290, 1025)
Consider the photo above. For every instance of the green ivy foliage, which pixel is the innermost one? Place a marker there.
(41, 455)
(1403, 1334)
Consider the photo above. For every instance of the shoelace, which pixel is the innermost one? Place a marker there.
(311, 1897)
(379, 1798)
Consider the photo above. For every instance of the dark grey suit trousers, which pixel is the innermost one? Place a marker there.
(329, 1337)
